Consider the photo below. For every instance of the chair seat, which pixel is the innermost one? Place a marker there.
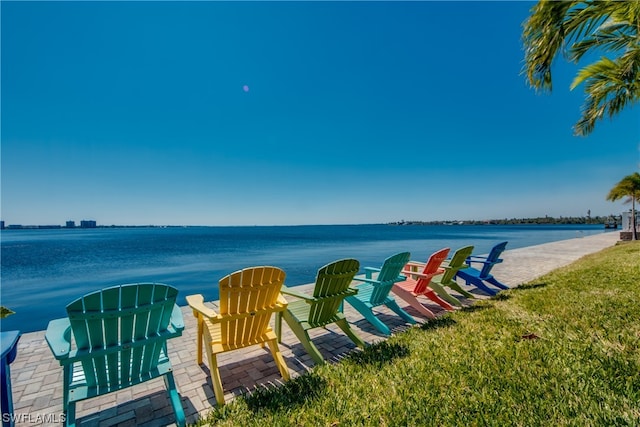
(407, 285)
(219, 345)
(79, 390)
(300, 311)
(472, 272)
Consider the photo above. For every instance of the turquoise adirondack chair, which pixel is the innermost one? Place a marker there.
(323, 307)
(374, 291)
(448, 278)
(475, 277)
(120, 336)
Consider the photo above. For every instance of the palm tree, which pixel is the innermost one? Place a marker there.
(576, 28)
(629, 187)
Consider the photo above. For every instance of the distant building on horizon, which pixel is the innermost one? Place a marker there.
(1, 225)
(87, 224)
(71, 224)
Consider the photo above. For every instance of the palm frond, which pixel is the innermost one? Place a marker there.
(610, 86)
(543, 36)
(629, 186)
(575, 28)
(611, 37)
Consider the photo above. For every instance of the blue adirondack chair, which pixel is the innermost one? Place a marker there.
(374, 291)
(120, 336)
(477, 278)
(9, 343)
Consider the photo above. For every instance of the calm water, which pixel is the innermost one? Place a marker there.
(43, 270)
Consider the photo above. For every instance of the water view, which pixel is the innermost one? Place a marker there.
(43, 270)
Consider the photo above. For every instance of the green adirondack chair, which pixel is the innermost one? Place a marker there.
(323, 308)
(448, 278)
(120, 336)
(374, 291)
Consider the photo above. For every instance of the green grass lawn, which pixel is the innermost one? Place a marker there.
(562, 350)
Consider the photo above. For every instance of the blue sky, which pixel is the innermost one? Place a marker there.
(243, 113)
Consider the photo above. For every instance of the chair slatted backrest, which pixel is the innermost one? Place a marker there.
(248, 298)
(332, 281)
(120, 331)
(430, 270)
(492, 259)
(457, 261)
(389, 274)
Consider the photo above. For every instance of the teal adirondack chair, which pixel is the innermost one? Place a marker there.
(120, 336)
(374, 291)
(448, 278)
(321, 309)
(475, 277)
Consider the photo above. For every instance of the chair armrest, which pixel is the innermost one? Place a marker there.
(177, 321)
(196, 302)
(369, 271)
(374, 281)
(424, 276)
(481, 260)
(448, 267)
(282, 301)
(289, 291)
(58, 336)
(476, 259)
(415, 264)
(351, 291)
(364, 279)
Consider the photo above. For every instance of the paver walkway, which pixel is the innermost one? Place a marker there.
(37, 376)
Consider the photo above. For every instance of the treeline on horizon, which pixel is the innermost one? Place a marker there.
(581, 220)
(538, 220)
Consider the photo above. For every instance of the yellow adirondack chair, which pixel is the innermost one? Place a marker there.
(248, 300)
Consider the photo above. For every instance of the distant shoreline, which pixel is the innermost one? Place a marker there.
(598, 220)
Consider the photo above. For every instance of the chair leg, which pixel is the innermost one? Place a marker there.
(174, 396)
(279, 326)
(494, 282)
(66, 380)
(442, 293)
(305, 339)
(412, 300)
(199, 339)
(393, 305)
(215, 377)
(70, 414)
(277, 356)
(213, 369)
(346, 328)
(368, 314)
(435, 298)
(478, 283)
(456, 287)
